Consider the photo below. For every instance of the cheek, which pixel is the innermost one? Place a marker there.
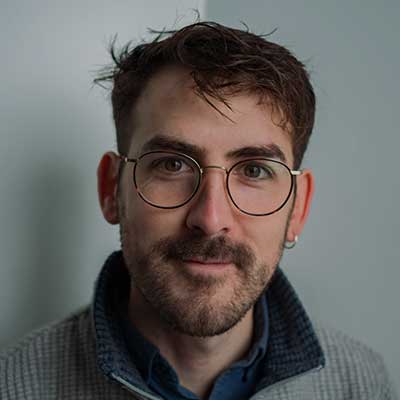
(266, 235)
(145, 225)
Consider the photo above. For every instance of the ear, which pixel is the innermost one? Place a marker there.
(301, 207)
(107, 186)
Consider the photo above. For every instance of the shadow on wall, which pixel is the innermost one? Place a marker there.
(47, 239)
(54, 230)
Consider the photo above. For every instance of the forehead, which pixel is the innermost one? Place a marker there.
(169, 106)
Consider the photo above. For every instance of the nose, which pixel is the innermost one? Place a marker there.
(211, 210)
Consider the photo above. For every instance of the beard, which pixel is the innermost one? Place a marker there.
(200, 305)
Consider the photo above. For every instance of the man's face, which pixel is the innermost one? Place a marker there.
(200, 267)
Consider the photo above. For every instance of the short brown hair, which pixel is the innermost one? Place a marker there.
(223, 61)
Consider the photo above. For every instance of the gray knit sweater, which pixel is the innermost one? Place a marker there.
(84, 356)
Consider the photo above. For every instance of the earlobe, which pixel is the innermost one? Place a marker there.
(107, 186)
(301, 208)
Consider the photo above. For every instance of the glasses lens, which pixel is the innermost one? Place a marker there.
(166, 179)
(259, 186)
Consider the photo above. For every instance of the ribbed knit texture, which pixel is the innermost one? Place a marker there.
(74, 360)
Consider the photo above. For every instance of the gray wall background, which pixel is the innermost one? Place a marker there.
(54, 127)
(346, 265)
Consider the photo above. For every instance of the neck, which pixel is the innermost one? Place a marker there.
(197, 361)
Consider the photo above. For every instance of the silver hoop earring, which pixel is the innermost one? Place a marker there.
(290, 245)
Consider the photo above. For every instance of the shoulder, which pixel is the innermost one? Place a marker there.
(340, 347)
(46, 340)
(41, 357)
(351, 367)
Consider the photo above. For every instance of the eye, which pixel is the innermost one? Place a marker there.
(253, 171)
(257, 171)
(172, 164)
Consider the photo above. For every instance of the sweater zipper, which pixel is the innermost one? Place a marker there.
(144, 395)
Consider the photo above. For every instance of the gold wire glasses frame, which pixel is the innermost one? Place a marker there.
(199, 176)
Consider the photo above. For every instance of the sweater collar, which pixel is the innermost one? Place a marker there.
(293, 346)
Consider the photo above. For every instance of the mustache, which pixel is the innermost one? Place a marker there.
(195, 246)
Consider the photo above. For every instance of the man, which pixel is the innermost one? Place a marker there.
(212, 124)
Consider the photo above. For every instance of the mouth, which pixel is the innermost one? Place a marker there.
(207, 265)
(206, 261)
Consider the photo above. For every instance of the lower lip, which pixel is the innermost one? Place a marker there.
(207, 267)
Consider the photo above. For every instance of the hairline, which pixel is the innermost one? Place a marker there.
(264, 99)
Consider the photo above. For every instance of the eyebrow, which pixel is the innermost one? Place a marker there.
(164, 142)
(266, 151)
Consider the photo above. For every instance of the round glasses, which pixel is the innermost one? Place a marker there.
(256, 186)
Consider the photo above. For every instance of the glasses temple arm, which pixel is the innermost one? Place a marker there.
(126, 159)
